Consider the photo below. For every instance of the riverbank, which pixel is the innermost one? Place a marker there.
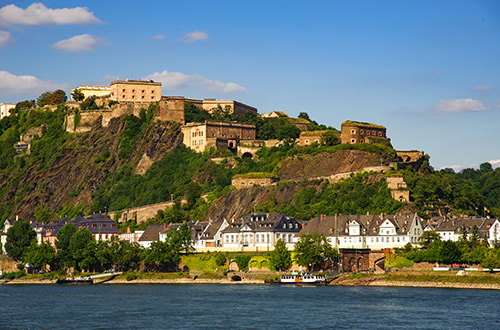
(421, 280)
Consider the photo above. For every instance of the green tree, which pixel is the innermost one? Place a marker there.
(161, 256)
(89, 103)
(304, 115)
(242, 261)
(19, 238)
(77, 95)
(330, 138)
(43, 99)
(475, 238)
(82, 247)
(63, 239)
(25, 105)
(449, 253)
(313, 250)
(428, 238)
(180, 239)
(492, 259)
(220, 259)
(281, 258)
(40, 255)
(125, 255)
(486, 167)
(288, 132)
(58, 97)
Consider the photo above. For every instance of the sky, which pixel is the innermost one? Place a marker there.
(429, 71)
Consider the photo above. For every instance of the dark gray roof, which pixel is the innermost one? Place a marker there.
(264, 222)
(152, 233)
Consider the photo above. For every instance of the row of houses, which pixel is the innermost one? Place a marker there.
(102, 228)
(261, 231)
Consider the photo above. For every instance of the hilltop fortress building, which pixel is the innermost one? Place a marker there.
(219, 134)
(135, 91)
(133, 95)
(358, 132)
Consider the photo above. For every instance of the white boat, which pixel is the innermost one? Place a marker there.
(300, 279)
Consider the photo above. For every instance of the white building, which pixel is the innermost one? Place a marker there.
(5, 109)
(259, 232)
(375, 232)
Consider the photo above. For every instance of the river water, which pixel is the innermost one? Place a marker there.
(139, 306)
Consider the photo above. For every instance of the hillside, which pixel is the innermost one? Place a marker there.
(63, 170)
(138, 161)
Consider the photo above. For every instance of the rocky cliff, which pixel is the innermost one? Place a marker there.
(83, 164)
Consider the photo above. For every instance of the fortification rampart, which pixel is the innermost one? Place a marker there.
(141, 213)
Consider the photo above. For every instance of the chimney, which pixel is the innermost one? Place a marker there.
(128, 229)
(303, 225)
(321, 217)
(17, 217)
(164, 226)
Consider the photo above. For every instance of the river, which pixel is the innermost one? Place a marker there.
(140, 306)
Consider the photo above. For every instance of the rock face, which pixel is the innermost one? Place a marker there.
(309, 166)
(242, 201)
(83, 165)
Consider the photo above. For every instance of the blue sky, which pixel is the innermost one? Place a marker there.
(427, 70)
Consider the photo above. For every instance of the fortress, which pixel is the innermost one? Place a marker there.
(130, 96)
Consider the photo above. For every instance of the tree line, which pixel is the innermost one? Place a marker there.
(77, 249)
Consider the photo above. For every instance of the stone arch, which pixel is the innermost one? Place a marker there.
(247, 155)
(379, 264)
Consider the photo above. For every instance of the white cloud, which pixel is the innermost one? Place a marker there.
(458, 106)
(38, 14)
(11, 84)
(495, 163)
(5, 39)
(159, 36)
(484, 88)
(194, 36)
(457, 168)
(81, 43)
(175, 80)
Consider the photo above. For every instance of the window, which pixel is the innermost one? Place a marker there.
(353, 131)
(143, 96)
(379, 133)
(201, 133)
(307, 141)
(152, 97)
(374, 133)
(367, 132)
(251, 183)
(361, 141)
(257, 238)
(133, 91)
(123, 90)
(152, 92)
(353, 141)
(232, 238)
(361, 132)
(143, 90)
(103, 225)
(133, 96)
(94, 226)
(123, 96)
